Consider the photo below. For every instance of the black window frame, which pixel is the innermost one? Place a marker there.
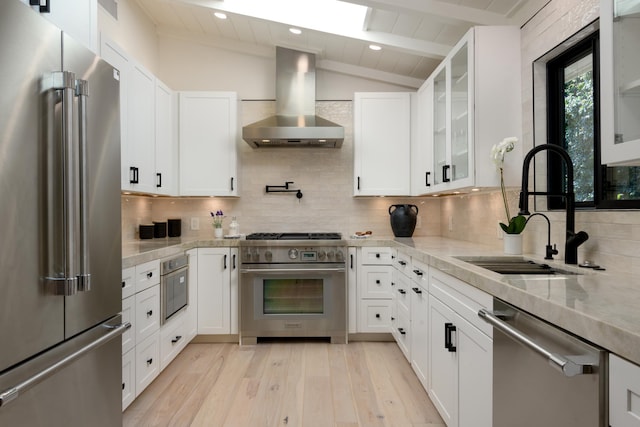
(555, 128)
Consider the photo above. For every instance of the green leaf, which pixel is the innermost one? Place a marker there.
(516, 225)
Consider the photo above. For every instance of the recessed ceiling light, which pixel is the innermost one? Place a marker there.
(295, 31)
(374, 47)
(220, 15)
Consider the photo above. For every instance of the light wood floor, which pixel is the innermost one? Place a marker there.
(300, 384)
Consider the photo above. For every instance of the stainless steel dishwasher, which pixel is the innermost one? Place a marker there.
(542, 375)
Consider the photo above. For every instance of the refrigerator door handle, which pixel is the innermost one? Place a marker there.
(14, 392)
(84, 276)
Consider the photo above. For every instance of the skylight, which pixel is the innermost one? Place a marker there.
(322, 15)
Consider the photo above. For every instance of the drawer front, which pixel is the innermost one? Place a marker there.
(402, 333)
(376, 256)
(147, 362)
(375, 316)
(147, 275)
(419, 274)
(402, 263)
(624, 392)
(147, 312)
(129, 315)
(173, 338)
(376, 282)
(128, 282)
(402, 289)
(128, 378)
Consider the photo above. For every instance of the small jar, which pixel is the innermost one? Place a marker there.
(234, 227)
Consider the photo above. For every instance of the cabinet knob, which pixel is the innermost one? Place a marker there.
(123, 284)
(377, 281)
(418, 272)
(377, 255)
(377, 315)
(417, 290)
(123, 386)
(149, 313)
(176, 339)
(402, 291)
(402, 331)
(149, 361)
(150, 275)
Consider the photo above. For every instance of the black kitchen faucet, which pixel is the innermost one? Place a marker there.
(573, 239)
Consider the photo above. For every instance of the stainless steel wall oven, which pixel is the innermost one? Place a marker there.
(293, 288)
(174, 286)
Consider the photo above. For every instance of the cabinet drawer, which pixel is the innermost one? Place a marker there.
(419, 273)
(147, 275)
(129, 315)
(375, 316)
(147, 312)
(402, 289)
(402, 333)
(128, 282)
(128, 378)
(624, 393)
(376, 256)
(376, 281)
(147, 362)
(173, 338)
(402, 263)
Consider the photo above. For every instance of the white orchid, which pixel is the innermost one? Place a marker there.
(500, 149)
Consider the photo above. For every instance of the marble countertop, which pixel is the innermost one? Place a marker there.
(600, 306)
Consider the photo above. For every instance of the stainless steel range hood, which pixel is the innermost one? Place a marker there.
(295, 123)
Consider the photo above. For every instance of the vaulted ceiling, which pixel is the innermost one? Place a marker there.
(414, 35)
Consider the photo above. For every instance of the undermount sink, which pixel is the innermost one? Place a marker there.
(514, 265)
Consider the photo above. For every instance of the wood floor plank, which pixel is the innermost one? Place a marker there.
(286, 384)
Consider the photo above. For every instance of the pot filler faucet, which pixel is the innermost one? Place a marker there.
(573, 239)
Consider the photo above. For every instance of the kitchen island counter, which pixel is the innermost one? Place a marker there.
(599, 306)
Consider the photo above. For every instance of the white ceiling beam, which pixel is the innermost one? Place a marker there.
(439, 8)
(400, 43)
(368, 73)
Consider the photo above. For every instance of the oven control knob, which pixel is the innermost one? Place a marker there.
(255, 255)
(268, 256)
(293, 253)
(339, 256)
(321, 254)
(330, 254)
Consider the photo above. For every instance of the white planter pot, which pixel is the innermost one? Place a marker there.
(217, 232)
(512, 244)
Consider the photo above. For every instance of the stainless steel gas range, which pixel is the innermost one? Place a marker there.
(293, 285)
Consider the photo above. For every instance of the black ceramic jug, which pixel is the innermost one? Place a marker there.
(403, 219)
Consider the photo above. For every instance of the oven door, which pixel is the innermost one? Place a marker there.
(174, 293)
(300, 300)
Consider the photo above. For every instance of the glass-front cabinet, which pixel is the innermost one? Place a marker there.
(475, 104)
(620, 87)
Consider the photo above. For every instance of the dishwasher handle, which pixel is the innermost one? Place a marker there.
(570, 366)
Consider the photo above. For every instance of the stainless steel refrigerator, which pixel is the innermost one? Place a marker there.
(60, 248)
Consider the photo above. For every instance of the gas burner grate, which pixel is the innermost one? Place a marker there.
(294, 236)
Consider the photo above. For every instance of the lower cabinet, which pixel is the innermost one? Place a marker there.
(374, 291)
(460, 352)
(147, 362)
(420, 321)
(217, 291)
(128, 378)
(624, 392)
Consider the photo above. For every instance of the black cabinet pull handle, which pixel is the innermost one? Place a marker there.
(377, 281)
(124, 284)
(402, 263)
(402, 291)
(358, 183)
(176, 339)
(445, 173)
(351, 261)
(123, 386)
(149, 361)
(393, 318)
(426, 179)
(150, 275)
(448, 343)
(418, 272)
(377, 315)
(393, 283)
(224, 262)
(231, 183)
(402, 331)
(149, 313)
(158, 180)
(133, 175)
(417, 290)
(233, 261)
(44, 8)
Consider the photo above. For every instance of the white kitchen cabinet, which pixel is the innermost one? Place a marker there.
(420, 320)
(147, 362)
(208, 143)
(475, 103)
(192, 309)
(374, 289)
(173, 338)
(129, 315)
(620, 82)
(624, 393)
(382, 143)
(460, 352)
(216, 292)
(128, 282)
(147, 313)
(147, 275)
(166, 141)
(79, 19)
(401, 318)
(128, 378)
(141, 150)
(352, 289)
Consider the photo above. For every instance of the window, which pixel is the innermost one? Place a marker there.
(573, 123)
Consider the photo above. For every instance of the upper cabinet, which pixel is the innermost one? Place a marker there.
(208, 143)
(620, 82)
(148, 139)
(470, 102)
(382, 141)
(79, 19)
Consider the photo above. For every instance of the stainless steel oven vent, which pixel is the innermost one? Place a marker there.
(295, 123)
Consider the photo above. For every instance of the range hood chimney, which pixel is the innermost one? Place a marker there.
(295, 123)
